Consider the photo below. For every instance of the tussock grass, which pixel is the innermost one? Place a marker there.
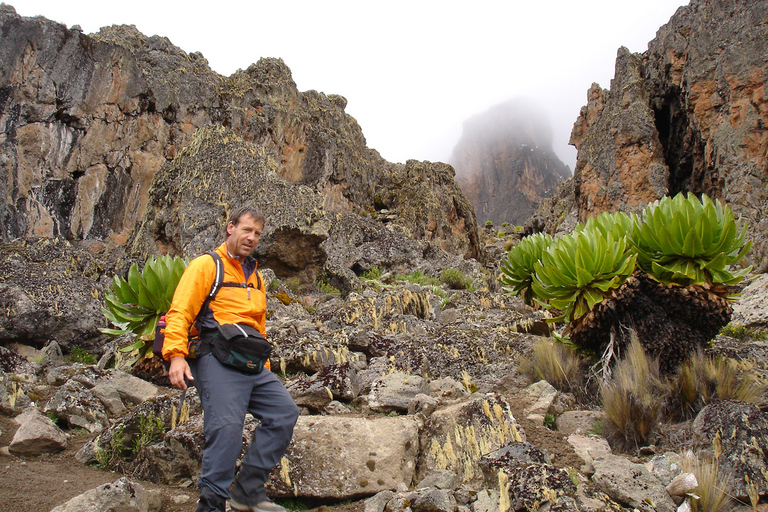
(556, 363)
(632, 399)
(702, 379)
(710, 495)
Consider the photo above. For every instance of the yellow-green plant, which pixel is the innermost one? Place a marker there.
(631, 398)
(702, 379)
(555, 363)
(136, 303)
(579, 270)
(517, 269)
(711, 494)
(687, 241)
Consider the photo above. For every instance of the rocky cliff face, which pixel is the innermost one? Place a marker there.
(689, 114)
(87, 121)
(505, 164)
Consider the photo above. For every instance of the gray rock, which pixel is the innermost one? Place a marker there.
(666, 466)
(487, 501)
(423, 404)
(342, 457)
(588, 448)
(543, 395)
(378, 502)
(738, 426)
(121, 495)
(436, 500)
(455, 437)
(751, 310)
(78, 407)
(447, 388)
(36, 435)
(577, 422)
(440, 479)
(394, 391)
(632, 484)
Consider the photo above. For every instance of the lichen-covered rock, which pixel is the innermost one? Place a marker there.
(738, 432)
(346, 457)
(89, 120)
(457, 436)
(50, 289)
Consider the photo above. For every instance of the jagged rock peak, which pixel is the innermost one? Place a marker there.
(504, 161)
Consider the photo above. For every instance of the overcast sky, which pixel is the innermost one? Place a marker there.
(412, 71)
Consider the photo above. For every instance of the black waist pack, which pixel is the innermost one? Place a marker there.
(241, 347)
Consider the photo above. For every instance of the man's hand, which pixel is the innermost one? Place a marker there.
(178, 372)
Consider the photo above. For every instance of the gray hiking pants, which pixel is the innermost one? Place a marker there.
(226, 395)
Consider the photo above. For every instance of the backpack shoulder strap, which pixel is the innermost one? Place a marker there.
(217, 279)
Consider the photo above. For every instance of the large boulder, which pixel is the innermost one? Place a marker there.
(334, 457)
(50, 290)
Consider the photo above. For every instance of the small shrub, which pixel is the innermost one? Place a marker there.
(151, 428)
(274, 285)
(549, 421)
(738, 331)
(418, 277)
(455, 279)
(293, 284)
(372, 274)
(80, 355)
(488, 223)
(504, 224)
(702, 379)
(555, 363)
(632, 399)
(110, 456)
(710, 495)
(501, 234)
(324, 283)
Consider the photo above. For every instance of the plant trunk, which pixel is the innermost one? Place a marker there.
(670, 321)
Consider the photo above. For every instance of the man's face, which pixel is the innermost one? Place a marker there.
(243, 237)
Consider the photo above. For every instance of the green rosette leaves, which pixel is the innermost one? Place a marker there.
(136, 303)
(685, 241)
(579, 270)
(517, 269)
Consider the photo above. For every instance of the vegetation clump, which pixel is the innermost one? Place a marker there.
(666, 275)
(136, 303)
(455, 279)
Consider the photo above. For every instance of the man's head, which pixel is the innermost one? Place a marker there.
(243, 230)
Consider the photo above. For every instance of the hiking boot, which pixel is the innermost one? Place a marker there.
(210, 501)
(263, 506)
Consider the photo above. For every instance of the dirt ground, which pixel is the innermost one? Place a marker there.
(38, 484)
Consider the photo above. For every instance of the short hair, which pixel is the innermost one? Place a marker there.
(238, 213)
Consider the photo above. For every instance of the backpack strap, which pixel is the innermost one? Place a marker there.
(218, 281)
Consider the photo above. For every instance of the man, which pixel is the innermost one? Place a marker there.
(226, 393)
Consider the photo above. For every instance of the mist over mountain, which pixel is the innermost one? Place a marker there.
(504, 161)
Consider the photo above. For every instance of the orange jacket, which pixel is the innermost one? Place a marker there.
(231, 305)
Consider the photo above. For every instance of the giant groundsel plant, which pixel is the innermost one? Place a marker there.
(665, 275)
(685, 241)
(137, 302)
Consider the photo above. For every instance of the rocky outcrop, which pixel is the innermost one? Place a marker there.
(689, 114)
(89, 120)
(505, 164)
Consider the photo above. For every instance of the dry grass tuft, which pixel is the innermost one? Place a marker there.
(632, 399)
(710, 495)
(555, 363)
(702, 379)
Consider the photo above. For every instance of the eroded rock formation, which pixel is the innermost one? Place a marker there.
(505, 164)
(87, 121)
(689, 114)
